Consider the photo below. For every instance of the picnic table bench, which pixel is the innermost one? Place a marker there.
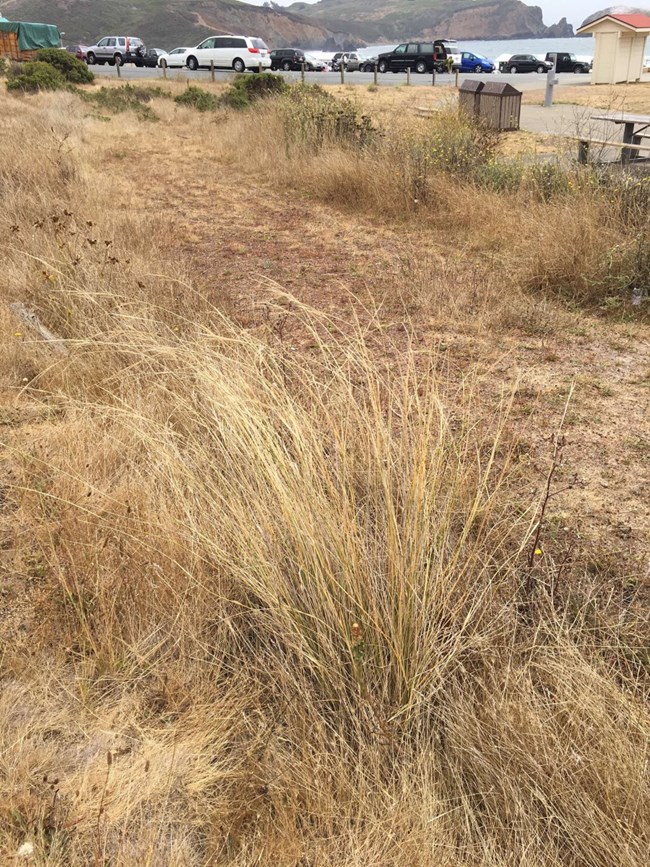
(635, 129)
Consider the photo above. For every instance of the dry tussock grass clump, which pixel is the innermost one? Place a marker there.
(286, 612)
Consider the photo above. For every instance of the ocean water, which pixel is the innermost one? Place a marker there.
(502, 49)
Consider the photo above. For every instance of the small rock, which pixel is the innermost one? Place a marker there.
(26, 850)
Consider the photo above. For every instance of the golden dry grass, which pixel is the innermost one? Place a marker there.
(268, 593)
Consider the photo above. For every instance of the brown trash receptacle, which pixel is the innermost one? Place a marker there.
(500, 105)
(469, 97)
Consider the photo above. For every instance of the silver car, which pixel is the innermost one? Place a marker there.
(116, 50)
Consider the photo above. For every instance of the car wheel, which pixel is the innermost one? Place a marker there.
(192, 63)
(513, 70)
(478, 68)
(238, 65)
(117, 60)
(541, 69)
(286, 66)
(579, 70)
(383, 66)
(91, 60)
(421, 67)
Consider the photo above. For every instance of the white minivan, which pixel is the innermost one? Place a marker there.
(230, 52)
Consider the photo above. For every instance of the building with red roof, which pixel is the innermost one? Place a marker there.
(620, 40)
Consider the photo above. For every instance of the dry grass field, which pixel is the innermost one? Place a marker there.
(324, 508)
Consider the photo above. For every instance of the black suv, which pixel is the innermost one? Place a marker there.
(525, 63)
(419, 56)
(566, 62)
(288, 59)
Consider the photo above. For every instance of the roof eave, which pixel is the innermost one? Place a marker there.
(588, 28)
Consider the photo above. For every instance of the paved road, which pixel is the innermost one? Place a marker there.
(529, 81)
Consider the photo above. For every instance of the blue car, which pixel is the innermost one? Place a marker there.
(475, 63)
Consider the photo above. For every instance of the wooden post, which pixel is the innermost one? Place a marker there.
(302, 72)
(118, 67)
(259, 67)
(456, 79)
(583, 152)
(212, 70)
(433, 76)
(376, 71)
(342, 72)
(164, 71)
(408, 76)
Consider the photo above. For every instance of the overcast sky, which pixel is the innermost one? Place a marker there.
(575, 11)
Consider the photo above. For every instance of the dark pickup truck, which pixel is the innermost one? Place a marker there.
(566, 62)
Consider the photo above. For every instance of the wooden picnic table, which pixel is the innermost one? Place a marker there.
(634, 130)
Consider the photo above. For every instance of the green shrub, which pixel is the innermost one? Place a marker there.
(126, 98)
(34, 76)
(4, 67)
(71, 68)
(315, 118)
(248, 89)
(197, 98)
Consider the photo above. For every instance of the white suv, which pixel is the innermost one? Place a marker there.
(230, 52)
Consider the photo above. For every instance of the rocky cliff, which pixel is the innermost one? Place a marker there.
(378, 20)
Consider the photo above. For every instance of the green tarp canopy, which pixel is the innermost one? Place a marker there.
(33, 36)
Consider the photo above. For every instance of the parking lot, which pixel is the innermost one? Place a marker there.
(529, 81)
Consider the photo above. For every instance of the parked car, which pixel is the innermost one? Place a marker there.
(564, 61)
(288, 59)
(420, 57)
(352, 62)
(315, 64)
(116, 50)
(368, 65)
(152, 56)
(230, 52)
(475, 63)
(79, 51)
(176, 57)
(525, 63)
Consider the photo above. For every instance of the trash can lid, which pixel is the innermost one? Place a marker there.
(500, 88)
(468, 86)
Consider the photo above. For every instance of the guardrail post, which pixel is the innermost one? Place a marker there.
(408, 76)
(456, 79)
(211, 69)
(376, 76)
(164, 71)
(118, 68)
(342, 72)
(302, 72)
(259, 67)
(433, 77)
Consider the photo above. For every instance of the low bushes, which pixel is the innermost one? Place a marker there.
(198, 98)
(313, 117)
(71, 68)
(36, 75)
(248, 89)
(127, 98)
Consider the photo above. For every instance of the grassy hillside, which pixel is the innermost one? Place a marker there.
(167, 22)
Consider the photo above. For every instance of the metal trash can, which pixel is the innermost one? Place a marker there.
(469, 97)
(500, 105)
